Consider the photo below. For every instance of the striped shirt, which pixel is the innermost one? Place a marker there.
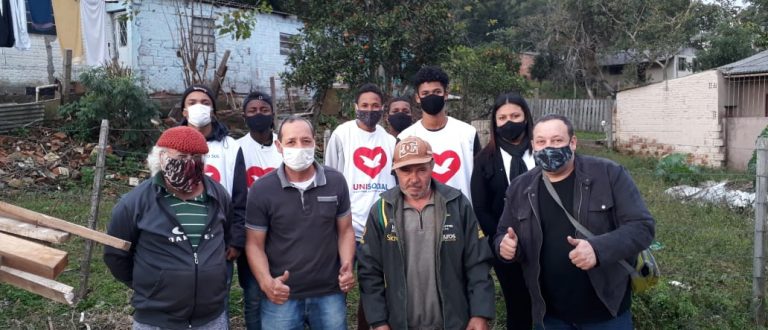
(191, 214)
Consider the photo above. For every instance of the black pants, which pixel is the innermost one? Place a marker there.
(516, 296)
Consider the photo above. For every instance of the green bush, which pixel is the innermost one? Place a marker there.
(114, 95)
(674, 169)
(752, 165)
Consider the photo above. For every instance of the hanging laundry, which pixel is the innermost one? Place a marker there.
(41, 14)
(6, 25)
(19, 11)
(67, 15)
(93, 15)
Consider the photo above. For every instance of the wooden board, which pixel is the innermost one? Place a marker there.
(32, 257)
(50, 289)
(19, 228)
(39, 219)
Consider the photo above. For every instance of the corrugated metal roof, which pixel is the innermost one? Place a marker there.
(757, 63)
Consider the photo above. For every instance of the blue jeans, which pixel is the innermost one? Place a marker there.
(251, 294)
(622, 321)
(327, 312)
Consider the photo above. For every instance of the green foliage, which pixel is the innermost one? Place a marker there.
(752, 165)
(480, 74)
(240, 23)
(674, 168)
(380, 42)
(118, 98)
(729, 43)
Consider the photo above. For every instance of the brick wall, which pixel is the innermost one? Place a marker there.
(251, 63)
(680, 115)
(19, 69)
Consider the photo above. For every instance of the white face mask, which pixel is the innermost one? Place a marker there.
(298, 159)
(199, 115)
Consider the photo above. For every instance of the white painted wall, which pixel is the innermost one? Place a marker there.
(250, 64)
(680, 115)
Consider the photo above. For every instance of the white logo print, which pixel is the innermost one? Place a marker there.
(176, 231)
(372, 163)
(408, 148)
(444, 167)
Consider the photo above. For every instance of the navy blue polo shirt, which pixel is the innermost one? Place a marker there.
(301, 227)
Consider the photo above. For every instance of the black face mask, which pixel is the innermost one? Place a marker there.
(511, 131)
(259, 123)
(369, 118)
(400, 121)
(432, 104)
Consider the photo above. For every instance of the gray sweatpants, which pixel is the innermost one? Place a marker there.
(219, 323)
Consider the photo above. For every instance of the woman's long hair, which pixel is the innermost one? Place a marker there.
(501, 100)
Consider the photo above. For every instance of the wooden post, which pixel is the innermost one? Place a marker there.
(98, 177)
(221, 71)
(65, 85)
(608, 117)
(761, 210)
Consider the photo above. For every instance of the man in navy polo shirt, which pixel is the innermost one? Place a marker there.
(300, 242)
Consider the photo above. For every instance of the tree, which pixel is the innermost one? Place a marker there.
(480, 74)
(353, 41)
(728, 44)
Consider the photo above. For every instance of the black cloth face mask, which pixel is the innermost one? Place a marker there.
(259, 122)
(432, 104)
(400, 121)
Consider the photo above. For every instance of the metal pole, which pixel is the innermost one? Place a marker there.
(98, 177)
(761, 209)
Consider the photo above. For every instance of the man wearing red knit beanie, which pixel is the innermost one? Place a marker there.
(177, 223)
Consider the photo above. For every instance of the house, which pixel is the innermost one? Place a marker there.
(713, 116)
(613, 67)
(145, 35)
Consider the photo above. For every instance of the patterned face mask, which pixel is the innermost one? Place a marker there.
(183, 174)
(552, 159)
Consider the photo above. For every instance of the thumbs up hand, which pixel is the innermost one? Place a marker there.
(277, 292)
(346, 278)
(582, 255)
(508, 246)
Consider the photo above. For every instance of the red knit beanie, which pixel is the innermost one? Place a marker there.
(183, 139)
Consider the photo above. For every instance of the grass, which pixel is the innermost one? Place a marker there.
(706, 248)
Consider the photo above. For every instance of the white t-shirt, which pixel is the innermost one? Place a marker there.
(453, 149)
(259, 159)
(365, 160)
(220, 161)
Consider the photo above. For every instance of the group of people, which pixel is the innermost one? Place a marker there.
(415, 216)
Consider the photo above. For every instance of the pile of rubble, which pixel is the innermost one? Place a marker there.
(41, 158)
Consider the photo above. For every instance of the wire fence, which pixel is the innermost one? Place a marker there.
(683, 226)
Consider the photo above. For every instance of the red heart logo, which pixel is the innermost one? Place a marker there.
(255, 172)
(370, 161)
(446, 165)
(213, 173)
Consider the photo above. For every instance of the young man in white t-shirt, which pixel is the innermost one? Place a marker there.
(362, 151)
(454, 142)
(261, 157)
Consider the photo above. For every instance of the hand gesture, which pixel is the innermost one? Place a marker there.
(276, 290)
(582, 255)
(508, 246)
(346, 278)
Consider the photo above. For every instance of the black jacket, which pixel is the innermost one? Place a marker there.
(174, 286)
(464, 283)
(488, 185)
(607, 202)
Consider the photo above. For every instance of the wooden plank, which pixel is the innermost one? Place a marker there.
(32, 257)
(29, 230)
(39, 219)
(50, 289)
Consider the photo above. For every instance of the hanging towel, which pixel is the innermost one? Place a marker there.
(67, 15)
(6, 24)
(19, 11)
(93, 15)
(41, 14)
